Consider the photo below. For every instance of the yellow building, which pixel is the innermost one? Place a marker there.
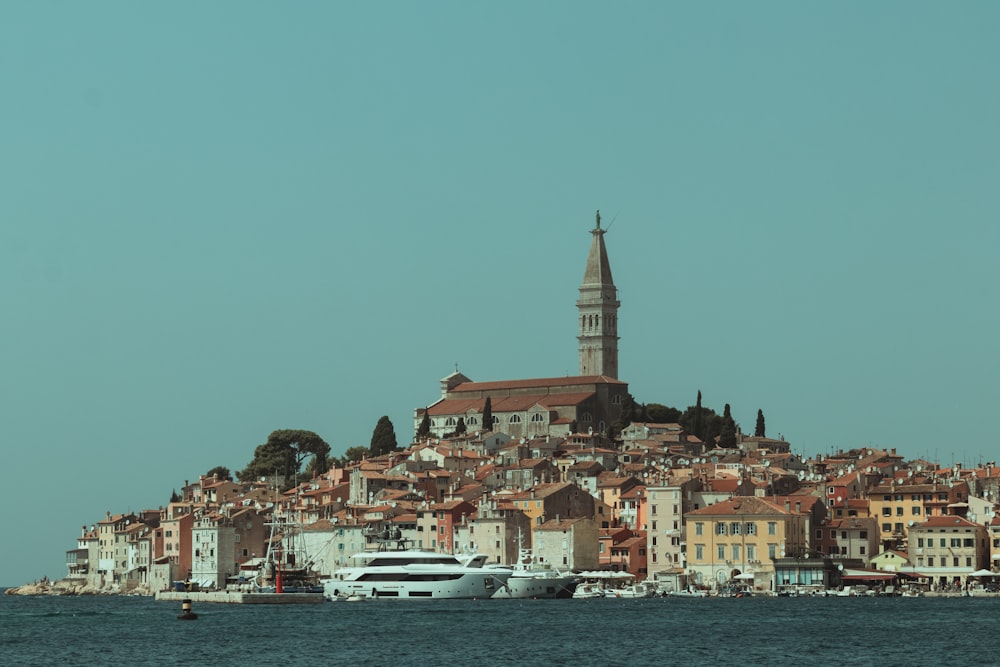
(742, 536)
(896, 507)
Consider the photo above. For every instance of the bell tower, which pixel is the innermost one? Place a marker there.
(597, 310)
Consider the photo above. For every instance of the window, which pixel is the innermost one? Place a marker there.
(886, 527)
(751, 552)
(514, 419)
(941, 542)
(772, 527)
(751, 528)
(496, 420)
(930, 561)
(916, 510)
(699, 552)
(772, 550)
(899, 511)
(861, 550)
(472, 421)
(886, 511)
(968, 542)
(735, 528)
(537, 418)
(720, 528)
(600, 548)
(736, 552)
(722, 552)
(699, 529)
(587, 417)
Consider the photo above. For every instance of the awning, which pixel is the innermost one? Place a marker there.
(867, 575)
(984, 573)
(745, 575)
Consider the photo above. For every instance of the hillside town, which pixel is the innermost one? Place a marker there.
(555, 465)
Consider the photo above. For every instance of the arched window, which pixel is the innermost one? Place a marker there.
(616, 399)
(496, 420)
(450, 421)
(586, 417)
(537, 417)
(600, 426)
(514, 419)
(471, 421)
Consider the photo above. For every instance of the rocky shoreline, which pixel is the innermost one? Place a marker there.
(62, 587)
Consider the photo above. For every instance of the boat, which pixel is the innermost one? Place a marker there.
(601, 583)
(287, 566)
(396, 570)
(586, 590)
(531, 579)
(689, 592)
(643, 589)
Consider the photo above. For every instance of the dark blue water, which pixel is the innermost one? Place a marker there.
(883, 632)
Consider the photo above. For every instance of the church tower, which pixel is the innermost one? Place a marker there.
(598, 312)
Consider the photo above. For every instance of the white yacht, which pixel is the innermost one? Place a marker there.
(407, 573)
(533, 579)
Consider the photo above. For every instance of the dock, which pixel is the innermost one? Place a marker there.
(237, 597)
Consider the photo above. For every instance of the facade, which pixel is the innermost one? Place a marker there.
(567, 544)
(742, 535)
(901, 505)
(947, 549)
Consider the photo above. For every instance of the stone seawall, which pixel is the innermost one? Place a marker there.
(234, 597)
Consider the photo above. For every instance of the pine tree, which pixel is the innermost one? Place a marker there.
(488, 415)
(460, 427)
(383, 437)
(759, 430)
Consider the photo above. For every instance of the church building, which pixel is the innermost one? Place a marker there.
(531, 408)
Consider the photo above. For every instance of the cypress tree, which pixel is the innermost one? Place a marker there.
(759, 430)
(488, 415)
(383, 437)
(727, 438)
(460, 427)
(424, 430)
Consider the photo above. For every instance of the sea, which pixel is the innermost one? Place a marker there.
(887, 632)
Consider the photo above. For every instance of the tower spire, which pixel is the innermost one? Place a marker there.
(597, 309)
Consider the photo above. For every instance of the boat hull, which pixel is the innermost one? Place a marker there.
(542, 586)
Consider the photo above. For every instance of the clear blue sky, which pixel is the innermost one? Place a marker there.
(220, 219)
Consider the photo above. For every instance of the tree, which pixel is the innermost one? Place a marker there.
(460, 427)
(283, 454)
(488, 415)
(352, 455)
(759, 430)
(727, 437)
(383, 437)
(662, 414)
(424, 430)
(221, 471)
(174, 496)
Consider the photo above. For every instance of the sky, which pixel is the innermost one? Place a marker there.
(221, 219)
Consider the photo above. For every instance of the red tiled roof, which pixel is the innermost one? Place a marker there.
(569, 380)
(520, 403)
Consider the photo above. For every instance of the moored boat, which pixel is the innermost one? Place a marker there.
(397, 571)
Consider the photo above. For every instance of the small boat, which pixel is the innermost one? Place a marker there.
(588, 590)
(640, 590)
(689, 592)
